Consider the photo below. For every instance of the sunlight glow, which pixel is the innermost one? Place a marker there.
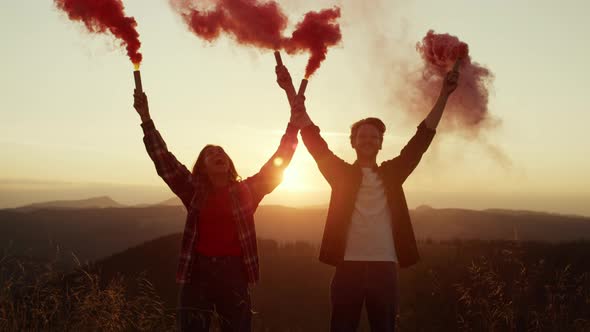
(292, 179)
(278, 161)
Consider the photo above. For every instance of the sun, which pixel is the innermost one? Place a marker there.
(292, 179)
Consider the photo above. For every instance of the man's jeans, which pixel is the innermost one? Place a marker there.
(218, 285)
(372, 283)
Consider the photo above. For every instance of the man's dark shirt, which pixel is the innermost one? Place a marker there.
(345, 180)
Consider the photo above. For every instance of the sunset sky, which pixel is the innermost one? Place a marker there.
(68, 129)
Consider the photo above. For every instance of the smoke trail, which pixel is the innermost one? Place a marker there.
(100, 16)
(262, 25)
(315, 33)
(468, 107)
(406, 86)
(248, 22)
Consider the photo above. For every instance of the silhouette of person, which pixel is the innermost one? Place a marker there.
(218, 261)
(368, 233)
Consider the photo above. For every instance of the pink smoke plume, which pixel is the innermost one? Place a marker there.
(315, 34)
(468, 106)
(262, 25)
(100, 16)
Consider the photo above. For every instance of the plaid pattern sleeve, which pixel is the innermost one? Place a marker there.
(175, 174)
(271, 174)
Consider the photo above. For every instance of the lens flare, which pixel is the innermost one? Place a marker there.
(278, 161)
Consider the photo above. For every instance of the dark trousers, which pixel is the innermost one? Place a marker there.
(373, 283)
(218, 286)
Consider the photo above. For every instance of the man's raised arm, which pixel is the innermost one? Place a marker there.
(402, 166)
(329, 164)
(449, 85)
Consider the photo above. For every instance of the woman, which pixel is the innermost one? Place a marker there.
(219, 256)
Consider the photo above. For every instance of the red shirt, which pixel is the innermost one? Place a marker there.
(189, 189)
(218, 235)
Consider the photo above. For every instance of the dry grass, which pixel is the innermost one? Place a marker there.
(38, 296)
(499, 291)
(508, 295)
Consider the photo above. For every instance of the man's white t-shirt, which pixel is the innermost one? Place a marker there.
(370, 237)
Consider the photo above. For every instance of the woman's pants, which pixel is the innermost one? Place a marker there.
(218, 287)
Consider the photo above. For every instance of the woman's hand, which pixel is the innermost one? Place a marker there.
(299, 116)
(140, 103)
(283, 78)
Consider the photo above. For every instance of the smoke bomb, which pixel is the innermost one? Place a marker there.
(137, 77)
(105, 16)
(302, 87)
(278, 58)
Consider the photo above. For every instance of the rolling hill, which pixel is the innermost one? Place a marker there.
(90, 203)
(93, 233)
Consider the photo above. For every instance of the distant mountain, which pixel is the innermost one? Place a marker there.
(157, 259)
(528, 212)
(445, 224)
(98, 232)
(288, 224)
(89, 203)
(88, 233)
(294, 223)
(171, 202)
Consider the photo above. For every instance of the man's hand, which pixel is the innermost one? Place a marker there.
(300, 119)
(283, 77)
(451, 80)
(140, 103)
(298, 104)
(299, 116)
(449, 85)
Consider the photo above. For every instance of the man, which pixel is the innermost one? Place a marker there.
(368, 232)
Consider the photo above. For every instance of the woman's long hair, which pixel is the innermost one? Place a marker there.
(199, 171)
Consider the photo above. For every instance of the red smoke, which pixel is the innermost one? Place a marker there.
(315, 34)
(262, 25)
(468, 106)
(440, 51)
(250, 23)
(100, 16)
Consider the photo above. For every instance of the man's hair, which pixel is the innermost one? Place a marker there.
(375, 122)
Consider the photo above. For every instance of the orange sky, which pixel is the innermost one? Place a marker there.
(69, 130)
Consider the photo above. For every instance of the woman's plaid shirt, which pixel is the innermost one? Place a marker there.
(245, 196)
